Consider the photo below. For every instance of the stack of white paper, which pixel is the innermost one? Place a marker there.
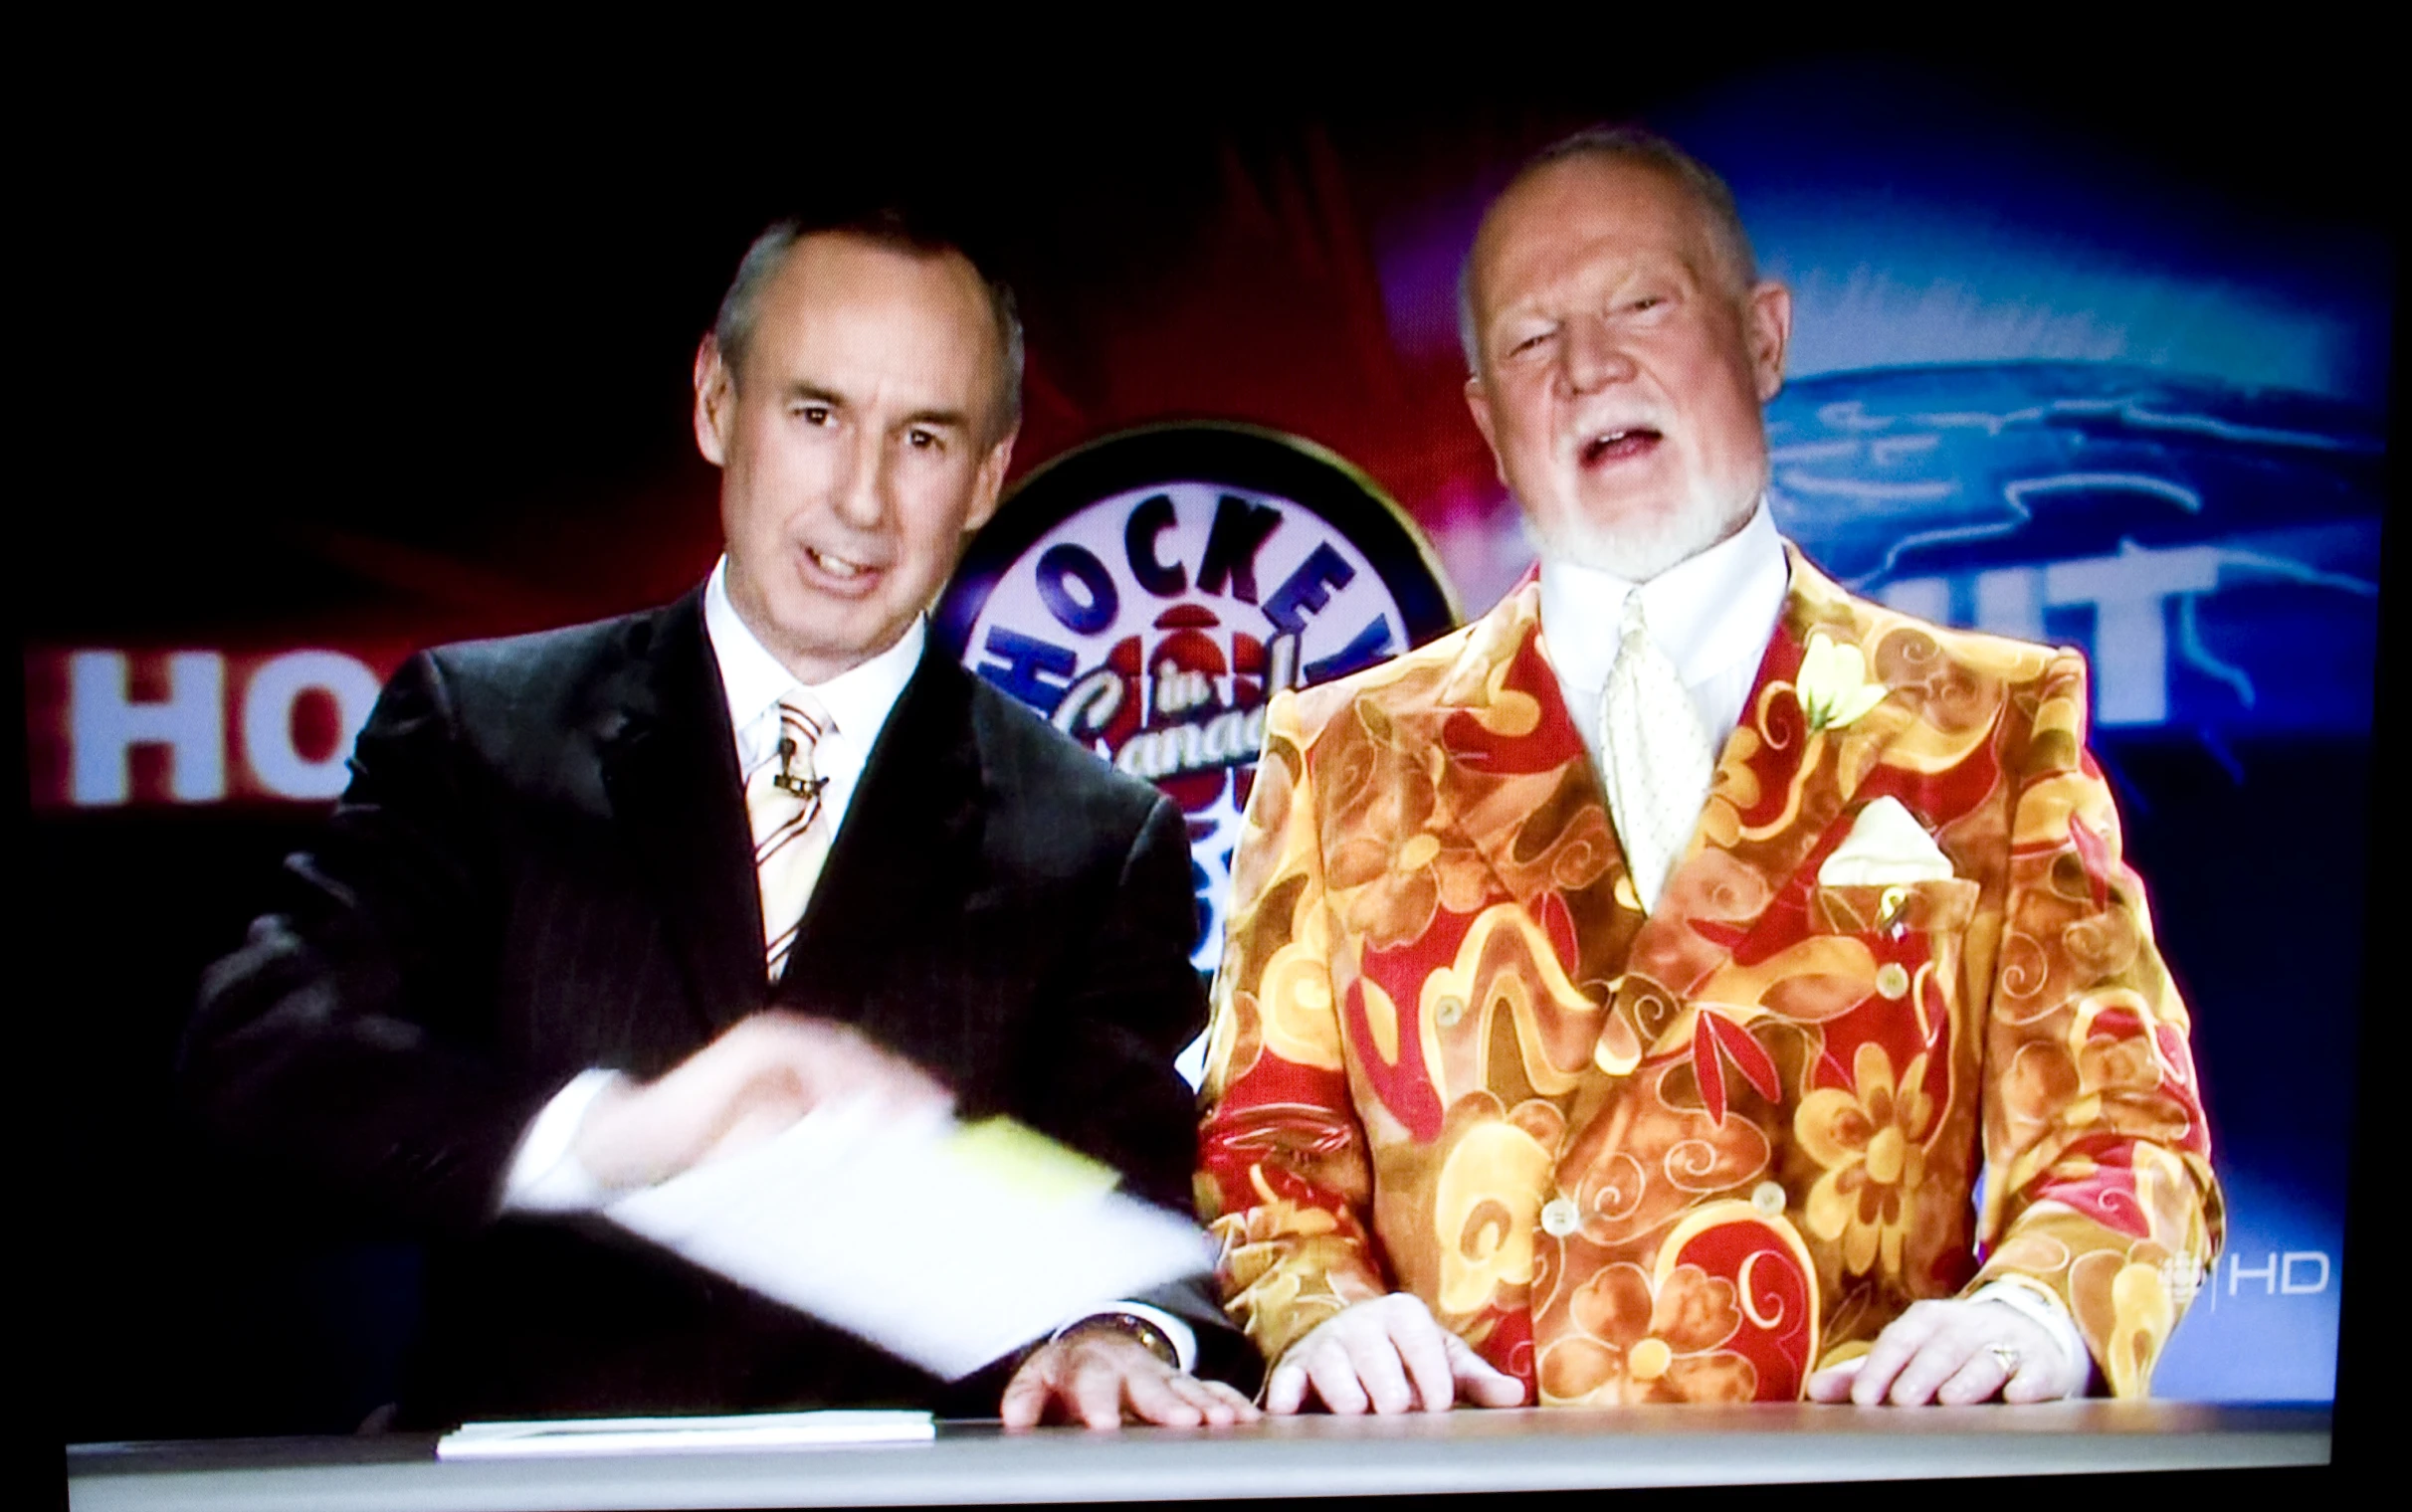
(944, 1245)
(621, 1436)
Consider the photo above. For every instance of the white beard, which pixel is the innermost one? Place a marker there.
(1639, 549)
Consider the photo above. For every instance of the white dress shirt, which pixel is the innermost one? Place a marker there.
(546, 1175)
(1712, 615)
(857, 701)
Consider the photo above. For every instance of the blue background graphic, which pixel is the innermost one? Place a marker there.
(2039, 391)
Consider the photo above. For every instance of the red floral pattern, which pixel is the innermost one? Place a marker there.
(1693, 1155)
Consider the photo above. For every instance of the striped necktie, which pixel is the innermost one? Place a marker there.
(1659, 765)
(790, 836)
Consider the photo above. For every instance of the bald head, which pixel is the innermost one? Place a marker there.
(899, 231)
(1620, 354)
(1721, 219)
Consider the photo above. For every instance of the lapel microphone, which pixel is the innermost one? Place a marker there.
(787, 781)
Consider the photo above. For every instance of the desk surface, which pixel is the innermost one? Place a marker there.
(972, 1462)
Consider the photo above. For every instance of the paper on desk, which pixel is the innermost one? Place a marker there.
(620, 1435)
(944, 1245)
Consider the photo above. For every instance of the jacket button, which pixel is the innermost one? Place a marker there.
(1560, 1217)
(1892, 979)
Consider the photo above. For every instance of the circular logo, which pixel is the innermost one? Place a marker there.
(1149, 592)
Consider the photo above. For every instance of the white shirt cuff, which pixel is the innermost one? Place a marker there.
(546, 1175)
(1184, 1339)
(2046, 1311)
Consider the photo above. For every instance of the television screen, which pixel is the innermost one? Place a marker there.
(2097, 366)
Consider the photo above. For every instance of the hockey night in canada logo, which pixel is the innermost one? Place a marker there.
(1150, 593)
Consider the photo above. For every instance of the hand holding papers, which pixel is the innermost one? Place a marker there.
(753, 1082)
(944, 1245)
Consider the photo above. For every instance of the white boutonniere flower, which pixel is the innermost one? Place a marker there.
(1833, 686)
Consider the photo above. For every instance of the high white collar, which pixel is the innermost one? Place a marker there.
(1707, 613)
(857, 699)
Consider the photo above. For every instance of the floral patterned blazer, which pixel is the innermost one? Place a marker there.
(1699, 1154)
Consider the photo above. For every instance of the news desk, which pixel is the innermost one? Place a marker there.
(973, 1463)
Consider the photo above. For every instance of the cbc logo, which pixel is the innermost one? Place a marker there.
(1149, 594)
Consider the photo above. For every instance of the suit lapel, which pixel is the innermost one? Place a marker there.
(1517, 787)
(905, 855)
(1514, 762)
(1744, 889)
(1745, 884)
(670, 765)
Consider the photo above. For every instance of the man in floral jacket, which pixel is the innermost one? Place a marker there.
(1688, 981)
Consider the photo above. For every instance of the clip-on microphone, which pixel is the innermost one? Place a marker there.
(787, 781)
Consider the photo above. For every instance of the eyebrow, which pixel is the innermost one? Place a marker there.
(815, 394)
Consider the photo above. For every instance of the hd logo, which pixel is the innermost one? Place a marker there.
(1150, 592)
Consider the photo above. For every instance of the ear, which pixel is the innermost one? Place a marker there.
(988, 487)
(1767, 326)
(716, 402)
(1478, 401)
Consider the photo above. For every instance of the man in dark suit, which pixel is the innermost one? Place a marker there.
(607, 902)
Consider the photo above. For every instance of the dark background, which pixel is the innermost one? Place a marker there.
(410, 355)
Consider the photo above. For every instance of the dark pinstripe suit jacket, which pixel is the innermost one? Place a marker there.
(542, 864)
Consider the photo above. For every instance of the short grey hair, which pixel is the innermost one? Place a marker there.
(1624, 144)
(732, 329)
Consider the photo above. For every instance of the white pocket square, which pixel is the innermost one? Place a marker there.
(1886, 846)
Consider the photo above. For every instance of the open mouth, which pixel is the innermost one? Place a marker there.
(1619, 445)
(840, 572)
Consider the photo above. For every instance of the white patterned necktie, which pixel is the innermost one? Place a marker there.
(1657, 756)
(790, 836)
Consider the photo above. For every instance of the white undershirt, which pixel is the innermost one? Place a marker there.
(858, 700)
(546, 1176)
(1711, 614)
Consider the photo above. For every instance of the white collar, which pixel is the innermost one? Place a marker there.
(858, 700)
(1707, 613)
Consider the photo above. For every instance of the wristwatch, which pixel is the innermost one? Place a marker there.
(1129, 1324)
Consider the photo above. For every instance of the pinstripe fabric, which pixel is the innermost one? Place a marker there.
(544, 865)
(790, 836)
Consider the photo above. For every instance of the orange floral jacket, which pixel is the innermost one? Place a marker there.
(1701, 1154)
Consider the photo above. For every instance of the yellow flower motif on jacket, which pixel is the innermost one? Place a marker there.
(1485, 1210)
(1286, 1266)
(2140, 1294)
(1833, 685)
(1388, 867)
(1867, 1137)
(1630, 1345)
(1389, 887)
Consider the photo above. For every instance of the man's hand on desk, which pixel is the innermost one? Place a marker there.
(762, 1075)
(1952, 1354)
(1387, 1354)
(1102, 1378)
